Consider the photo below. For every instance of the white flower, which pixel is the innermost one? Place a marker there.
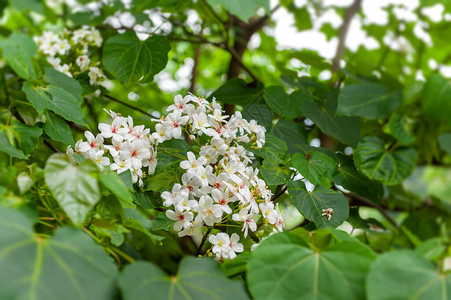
(192, 163)
(175, 120)
(235, 246)
(221, 244)
(183, 219)
(136, 152)
(268, 212)
(99, 158)
(210, 213)
(107, 130)
(248, 222)
(222, 200)
(120, 165)
(93, 143)
(83, 62)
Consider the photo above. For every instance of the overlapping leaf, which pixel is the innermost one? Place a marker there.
(316, 167)
(131, 60)
(403, 274)
(75, 188)
(196, 279)
(391, 166)
(368, 100)
(311, 204)
(282, 267)
(68, 265)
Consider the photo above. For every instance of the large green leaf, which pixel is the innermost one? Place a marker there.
(444, 141)
(282, 267)
(131, 60)
(311, 204)
(391, 166)
(401, 127)
(286, 106)
(196, 279)
(18, 50)
(274, 149)
(317, 167)
(242, 9)
(348, 177)
(57, 129)
(113, 182)
(68, 265)
(75, 188)
(369, 100)
(259, 112)
(292, 133)
(404, 274)
(18, 140)
(273, 173)
(435, 100)
(345, 129)
(63, 81)
(236, 91)
(55, 99)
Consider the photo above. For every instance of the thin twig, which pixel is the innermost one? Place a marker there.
(203, 241)
(375, 205)
(131, 106)
(350, 12)
(277, 195)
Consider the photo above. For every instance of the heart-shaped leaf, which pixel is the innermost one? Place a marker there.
(131, 60)
(317, 167)
(282, 267)
(311, 204)
(69, 265)
(391, 166)
(404, 274)
(196, 279)
(75, 188)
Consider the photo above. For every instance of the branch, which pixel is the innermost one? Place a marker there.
(203, 241)
(350, 12)
(280, 193)
(130, 106)
(375, 205)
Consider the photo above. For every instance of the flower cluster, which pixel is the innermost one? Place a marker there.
(219, 187)
(131, 147)
(69, 52)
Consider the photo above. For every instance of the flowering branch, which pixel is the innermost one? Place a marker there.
(130, 106)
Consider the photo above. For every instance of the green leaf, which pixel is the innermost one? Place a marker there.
(345, 129)
(444, 140)
(57, 129)
(131, 60)
(196, 279)
(435, 100)
(391, 166)
(369, 100)
(259, 112)
(286, 106)
(55, 99)
(69, 265)
(348, 177)
(282, 267)
(75, 188)
(273, 174)
(163, 180)
(113, 183)
(292, 133)
(242, 9)
(18, 50)
(274, 149)
(401, 127)
(19, 139)
(317, 167)
(302, 19)
(236, 91)
(311, 204)
(63, 81)
(403, 274)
